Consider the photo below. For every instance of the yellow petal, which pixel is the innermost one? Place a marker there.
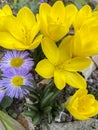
(54, 33)
(77, 45)
(77, 64)
(58, 11)
(72, 104)
(84, 13)
(34, 31)
(50, 50)
(65, 48)
(9, 42)
(36, 42)
(85, 46)
(76, 114)
(44, 11)
(75, 80)
(90, 43)
(59, 79)
(15, 28)
(5, 11)
(45, 69)
(26, 17)
(79, 93)
(70, 13)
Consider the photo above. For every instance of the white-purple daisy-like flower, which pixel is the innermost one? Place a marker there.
(2, 93)
(16, 60)
(42, 1)
(13, 80)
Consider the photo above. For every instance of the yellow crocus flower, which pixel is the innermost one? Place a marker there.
(60, 64)
(57, 19)
(19, 32)
(82, 105)
(85, 38)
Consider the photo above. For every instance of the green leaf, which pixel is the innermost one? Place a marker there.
(30, 113)
(49, 117)
(56, 113)
(47, 109)
(31, 106)
(54, 96)
(37, 119)
(45, 100)
(46, 93)
(47, 125)
(9, 122)
(34, 97)
(27, 87)
(6, 102)
(48, 86)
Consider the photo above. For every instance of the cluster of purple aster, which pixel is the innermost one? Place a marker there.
(15, 67)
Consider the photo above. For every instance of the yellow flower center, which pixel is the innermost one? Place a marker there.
(16, 62)
(17, 81)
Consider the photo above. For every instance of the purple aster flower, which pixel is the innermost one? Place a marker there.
(16, 60)
(42, 1)
(2, 93)
(13, 80)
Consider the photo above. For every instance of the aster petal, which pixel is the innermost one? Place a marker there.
(65, 48)
(10, 87)
(16, 60)
(75, 80)
(7, 41)
(50, 50)
(24, 15)
(77, 64)
(43, 13)
(59, 79)
(2, 94)
(45, 69)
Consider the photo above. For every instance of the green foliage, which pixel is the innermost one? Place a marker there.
(80, 3)
(93, 91)
(45, 105)
(6, 102)
(33, 5)
(10, 123)
(38, 54)
(5, 106)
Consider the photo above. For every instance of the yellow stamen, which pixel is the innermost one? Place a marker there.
(17, 81)
(16, 62)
